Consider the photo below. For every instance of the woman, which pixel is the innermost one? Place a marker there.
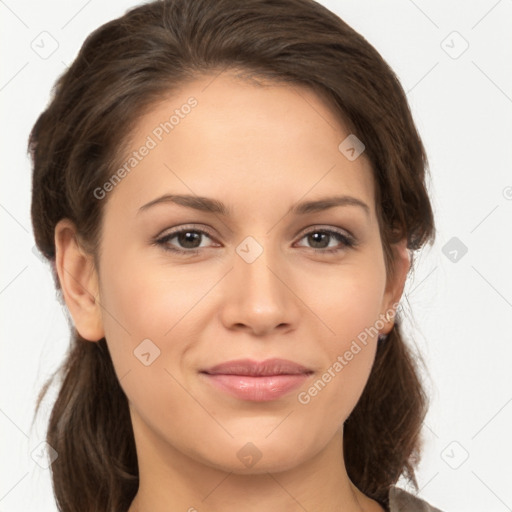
(230, 194)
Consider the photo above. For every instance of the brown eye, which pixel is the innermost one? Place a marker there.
(187, 240)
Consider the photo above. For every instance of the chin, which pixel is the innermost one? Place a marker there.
(259, 457)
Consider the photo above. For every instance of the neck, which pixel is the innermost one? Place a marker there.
(171, 481)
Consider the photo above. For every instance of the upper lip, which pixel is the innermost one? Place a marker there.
(252, 368)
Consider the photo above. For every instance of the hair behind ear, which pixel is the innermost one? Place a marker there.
(91, 422)
(386, 423)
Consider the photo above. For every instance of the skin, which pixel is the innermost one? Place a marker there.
(259, 149)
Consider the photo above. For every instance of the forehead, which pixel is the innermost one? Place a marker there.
(222, 136)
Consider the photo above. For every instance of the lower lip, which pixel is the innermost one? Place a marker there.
(257, 389)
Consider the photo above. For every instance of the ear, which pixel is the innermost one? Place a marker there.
(395, 284)
(79, 281)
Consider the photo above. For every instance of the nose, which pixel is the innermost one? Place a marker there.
(259, 294)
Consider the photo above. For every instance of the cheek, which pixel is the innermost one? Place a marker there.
(150, 309)
(146, 301)
(350, 306)
(350, 300)
(348, 356)
(336, 391)
(147, 319)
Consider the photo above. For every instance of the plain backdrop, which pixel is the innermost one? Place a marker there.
(454, 59)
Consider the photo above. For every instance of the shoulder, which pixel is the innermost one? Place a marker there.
(403, 501)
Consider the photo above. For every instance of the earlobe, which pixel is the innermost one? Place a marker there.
(396, 283)
(79, 281)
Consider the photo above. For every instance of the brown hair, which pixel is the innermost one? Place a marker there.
(126, 66)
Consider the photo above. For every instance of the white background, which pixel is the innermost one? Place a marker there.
(459, 311)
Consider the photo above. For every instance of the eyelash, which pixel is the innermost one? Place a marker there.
(348, 241)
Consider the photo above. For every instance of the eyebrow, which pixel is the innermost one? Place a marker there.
(210, 205)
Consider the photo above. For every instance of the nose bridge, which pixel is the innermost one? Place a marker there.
(258, 297)
(255, 267)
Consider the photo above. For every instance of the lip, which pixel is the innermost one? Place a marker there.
(257, 381)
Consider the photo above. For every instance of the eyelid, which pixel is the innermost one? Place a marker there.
(324, 227)
(185, 227)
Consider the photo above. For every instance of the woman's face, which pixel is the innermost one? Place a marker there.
(259, 278)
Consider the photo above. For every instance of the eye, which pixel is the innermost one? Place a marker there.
(321, 239)
(189, 239)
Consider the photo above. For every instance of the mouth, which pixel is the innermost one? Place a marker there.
(257, 381)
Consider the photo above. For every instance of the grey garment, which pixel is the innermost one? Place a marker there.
(403, 501)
